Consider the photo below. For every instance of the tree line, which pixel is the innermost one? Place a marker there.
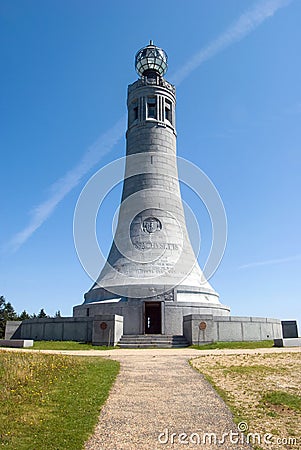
(7, 312)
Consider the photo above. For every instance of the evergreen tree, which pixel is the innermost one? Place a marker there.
(42, 314)
(2, 323)
(24, 315)
(7, 312)
(2, 303)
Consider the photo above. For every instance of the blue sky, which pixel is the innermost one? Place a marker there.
(65, 70)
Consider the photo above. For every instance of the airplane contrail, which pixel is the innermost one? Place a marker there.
(270, 262)
(243, 26)
(70, 180)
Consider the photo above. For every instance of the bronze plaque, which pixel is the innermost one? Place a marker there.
(103, 325)
(202, 326)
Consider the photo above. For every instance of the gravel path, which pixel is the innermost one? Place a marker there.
(158, 391)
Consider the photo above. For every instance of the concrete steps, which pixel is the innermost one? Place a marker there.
(152, 341)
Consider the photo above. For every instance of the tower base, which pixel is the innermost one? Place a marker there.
(150, 315)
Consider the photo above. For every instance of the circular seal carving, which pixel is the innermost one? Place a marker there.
(103, 325)
(151, 224)
(202, 325)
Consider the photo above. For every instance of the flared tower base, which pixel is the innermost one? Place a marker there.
(161, 314)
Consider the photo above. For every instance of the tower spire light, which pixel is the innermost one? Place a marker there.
(151, 59)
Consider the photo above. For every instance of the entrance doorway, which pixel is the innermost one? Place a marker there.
(152, 323)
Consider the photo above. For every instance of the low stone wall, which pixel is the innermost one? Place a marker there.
(201, 329)
(108, 329)
(16, 343)
(287, 342)
(58, 329)
(100, 330)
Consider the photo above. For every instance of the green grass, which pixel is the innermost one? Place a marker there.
(72, 345)
(51, 402)
(235, 345)
(237, 417)
(281, 398)
(67, 345)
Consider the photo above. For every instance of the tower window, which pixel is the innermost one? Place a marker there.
(133, 113)
(168, 111)
(151, 107)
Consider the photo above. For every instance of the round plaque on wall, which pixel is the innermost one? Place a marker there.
(103, 325)
(202, 325)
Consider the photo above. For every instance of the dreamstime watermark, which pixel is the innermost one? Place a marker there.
(160, 253)
(241, 436)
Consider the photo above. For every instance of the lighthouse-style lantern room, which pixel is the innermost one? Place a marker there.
(151, 59)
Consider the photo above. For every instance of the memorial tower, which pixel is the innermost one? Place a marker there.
(151, 276)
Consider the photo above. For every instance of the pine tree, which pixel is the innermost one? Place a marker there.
(24, 315)
(42, 314)
(7, 312)
(2, 322)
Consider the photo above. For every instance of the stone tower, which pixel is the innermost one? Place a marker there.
(151, 276)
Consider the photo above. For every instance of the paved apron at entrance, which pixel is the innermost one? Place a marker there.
(157, 390)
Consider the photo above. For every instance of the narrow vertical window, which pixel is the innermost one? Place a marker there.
(133, 111)
(151, 108)
(168, 111)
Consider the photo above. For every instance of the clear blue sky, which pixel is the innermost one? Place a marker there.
(65, 70)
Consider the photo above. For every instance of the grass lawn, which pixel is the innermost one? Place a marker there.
(66, 345)
(72, 345)
(234, 345)
(263, 391)
(51, 402)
